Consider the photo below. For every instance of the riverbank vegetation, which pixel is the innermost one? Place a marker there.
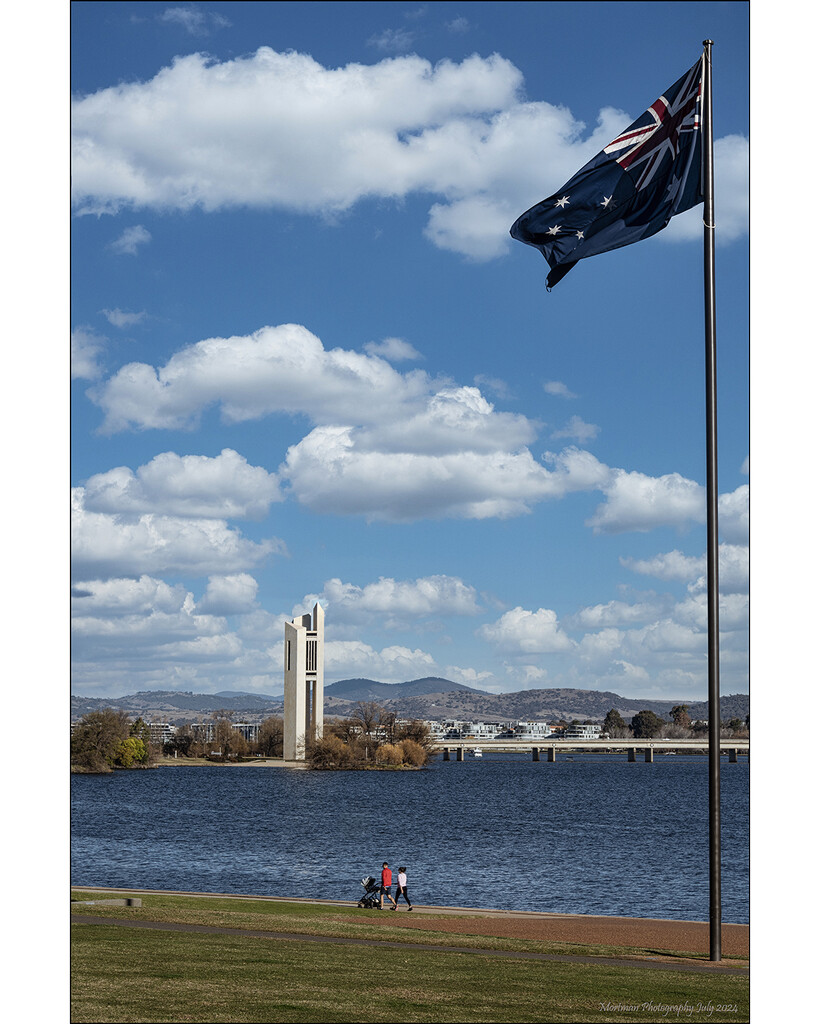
(648, 725)
(105, 740)
(371, 738)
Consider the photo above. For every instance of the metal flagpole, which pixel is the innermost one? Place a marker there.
(711, 507)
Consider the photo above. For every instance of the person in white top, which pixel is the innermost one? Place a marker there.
(401, 889)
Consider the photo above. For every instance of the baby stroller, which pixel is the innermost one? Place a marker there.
(370, 900)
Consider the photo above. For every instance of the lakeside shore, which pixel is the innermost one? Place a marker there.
(165, 761)
(248, 958)
(203, 762)
(671, 936)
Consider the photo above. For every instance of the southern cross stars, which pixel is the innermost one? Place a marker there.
(607, 202)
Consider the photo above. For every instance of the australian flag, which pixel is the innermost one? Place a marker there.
(630, 190)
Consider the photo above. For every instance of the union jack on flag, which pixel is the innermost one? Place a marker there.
(630, 190)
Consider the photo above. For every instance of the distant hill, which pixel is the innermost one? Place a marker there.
(532, 705)
(261, 698)
(176, 705)
(370, 689)
(429, 698)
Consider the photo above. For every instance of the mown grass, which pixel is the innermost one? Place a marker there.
(342, 922)
(148, 976)
(152, 977)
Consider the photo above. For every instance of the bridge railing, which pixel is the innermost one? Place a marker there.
(732, 747)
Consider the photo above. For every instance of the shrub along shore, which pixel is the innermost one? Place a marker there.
(107, 740)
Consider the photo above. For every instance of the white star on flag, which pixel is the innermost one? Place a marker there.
(562, 202)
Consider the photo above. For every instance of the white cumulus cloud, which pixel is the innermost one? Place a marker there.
(577, 430)
(328, 470)
(105, 545)
(277, 129)
(393, 603)
(394, 350)
(129, 596)
(615, 613)
(385, 444)
(280, 130)
(194, 20)
(275, 369)
(224, 487)
(733, 568)
(390, 665)
(86, 349)
(527, 632)
(122, 318)
(229, 595)
(635, 501)
(733, 515)
(558, 388)
(671, 565)
(130, 240)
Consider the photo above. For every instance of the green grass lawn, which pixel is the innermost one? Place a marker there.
(337, 921)
(150, 976)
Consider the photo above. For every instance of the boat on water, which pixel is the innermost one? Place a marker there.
(474, 752)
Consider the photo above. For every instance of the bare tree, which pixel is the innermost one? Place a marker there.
(229, 741)
(387, 723)
(271, 737)
(368, 713)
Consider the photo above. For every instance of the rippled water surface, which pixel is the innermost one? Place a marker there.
(592, 835)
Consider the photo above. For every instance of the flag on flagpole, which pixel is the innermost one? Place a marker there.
(630, 190)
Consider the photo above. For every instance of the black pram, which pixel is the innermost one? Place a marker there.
(370, 900)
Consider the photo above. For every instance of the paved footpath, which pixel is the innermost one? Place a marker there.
(654, 935)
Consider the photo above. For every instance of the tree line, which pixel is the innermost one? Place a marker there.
(103, 741)
(226, 742)
(106, 740)
(648, 725)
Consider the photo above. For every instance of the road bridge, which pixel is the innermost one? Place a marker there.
(648, 747)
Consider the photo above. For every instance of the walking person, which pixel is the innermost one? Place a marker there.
(401, 889)
(387, 885)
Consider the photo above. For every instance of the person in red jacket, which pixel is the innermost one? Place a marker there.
(387, 885)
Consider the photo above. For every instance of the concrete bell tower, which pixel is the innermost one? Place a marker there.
(304, 682)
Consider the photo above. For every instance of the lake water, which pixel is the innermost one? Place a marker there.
(592, 835)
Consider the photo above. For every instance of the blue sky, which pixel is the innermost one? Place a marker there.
(309, 363)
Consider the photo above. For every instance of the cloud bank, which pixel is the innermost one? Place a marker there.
(279, 130)
(384, 444)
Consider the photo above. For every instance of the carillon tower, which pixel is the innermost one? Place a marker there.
(304, 682)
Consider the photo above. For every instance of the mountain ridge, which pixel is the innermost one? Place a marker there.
(416, 698)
